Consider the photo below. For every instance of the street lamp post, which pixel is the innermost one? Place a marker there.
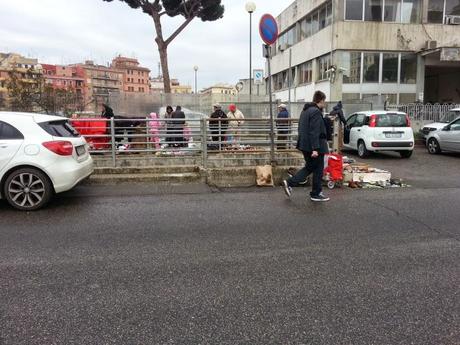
(250, 8)
(195, 68)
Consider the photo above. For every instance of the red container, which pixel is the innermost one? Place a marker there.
(334, 169)
(92, 129)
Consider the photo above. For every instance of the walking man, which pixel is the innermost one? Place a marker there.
(282, 125)
(312, 143)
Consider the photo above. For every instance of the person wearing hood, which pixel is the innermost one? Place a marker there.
(312, 142)
(218, 123)
(168, 125)
(236, 120)
(107, 112)
(338, 112)
(154, 126)
(178, 127)
(282, 126)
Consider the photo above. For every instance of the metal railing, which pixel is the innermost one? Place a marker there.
(425, 112)
(177, 138)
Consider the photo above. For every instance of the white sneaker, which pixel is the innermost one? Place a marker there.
(287, 188)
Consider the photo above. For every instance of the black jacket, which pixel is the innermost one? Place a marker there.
(180, 119)
(218, 114)
(312, 130)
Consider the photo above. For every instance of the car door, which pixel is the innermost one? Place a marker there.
(356, 131)
(451, 138)
(348, 128)
(11, 140)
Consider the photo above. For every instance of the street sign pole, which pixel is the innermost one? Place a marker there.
(268, 29)
(270, 100)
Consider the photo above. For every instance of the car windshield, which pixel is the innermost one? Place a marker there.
(450, 116)
(392, 120)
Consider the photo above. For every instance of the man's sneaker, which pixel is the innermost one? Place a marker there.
(287, 188)
(320, 198)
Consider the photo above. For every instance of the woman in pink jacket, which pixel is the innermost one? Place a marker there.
(154, 125)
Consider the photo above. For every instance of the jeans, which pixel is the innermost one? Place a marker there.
(313, 166)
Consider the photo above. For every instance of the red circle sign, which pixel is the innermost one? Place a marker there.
(268, 29)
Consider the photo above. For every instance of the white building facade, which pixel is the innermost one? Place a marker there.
(399, 50)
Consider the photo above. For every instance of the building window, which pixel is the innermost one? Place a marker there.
(324, 63)
(392, 11)
(408, 68)
(322, 18)
(373, 10)
(352, 64)
(305, 28)
(371, 67)
(404, 11)
(314, 23)
(329, 18)
(354, 10)
(411, 11)
(305, 73)
(390, 68)
(439, 9)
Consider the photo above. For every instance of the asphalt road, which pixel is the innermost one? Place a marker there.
(190, 265)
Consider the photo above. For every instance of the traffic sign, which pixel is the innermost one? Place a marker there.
(268, 29)
(258, 76)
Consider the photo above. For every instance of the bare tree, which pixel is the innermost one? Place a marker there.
(206, 10)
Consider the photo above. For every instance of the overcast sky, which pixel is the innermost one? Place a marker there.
(70, 31)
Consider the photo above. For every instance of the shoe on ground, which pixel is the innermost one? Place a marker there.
(319, 198)
(287, 189)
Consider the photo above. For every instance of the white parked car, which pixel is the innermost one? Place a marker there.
(39, 155)
(377, 131)
(444, 121)
(445, 139)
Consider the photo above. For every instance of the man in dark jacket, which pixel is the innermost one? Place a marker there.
(177, 126)
(282, 125)
(312, 142)
(218, 123)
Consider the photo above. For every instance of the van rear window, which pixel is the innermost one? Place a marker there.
(60, 128)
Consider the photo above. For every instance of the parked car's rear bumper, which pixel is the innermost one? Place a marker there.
(70, 174)
(376, 145)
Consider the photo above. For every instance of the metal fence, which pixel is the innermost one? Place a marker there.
(177, 139)
(425, 112)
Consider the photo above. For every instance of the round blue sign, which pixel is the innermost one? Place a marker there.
(268, 29)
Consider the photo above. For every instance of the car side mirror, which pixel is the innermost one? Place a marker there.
(446, 128)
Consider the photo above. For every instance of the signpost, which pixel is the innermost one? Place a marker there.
(268, 29)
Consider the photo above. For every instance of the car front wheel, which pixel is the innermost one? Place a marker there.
(433, 146)
(27, 189)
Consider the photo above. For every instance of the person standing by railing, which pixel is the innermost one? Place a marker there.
(282, 126)
(178, 127)
(236, 120)
(168, 125)
(218, 124)
(154, 125)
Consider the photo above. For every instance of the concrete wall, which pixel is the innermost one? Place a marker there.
(296, 11)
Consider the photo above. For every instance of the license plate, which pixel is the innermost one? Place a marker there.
(81, 150)
(393, 135)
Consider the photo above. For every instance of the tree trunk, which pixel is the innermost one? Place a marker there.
(163, 50)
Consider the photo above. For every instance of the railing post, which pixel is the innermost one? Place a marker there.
(149, 137)
(204, 143)
(112, 135)
(220, 135)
